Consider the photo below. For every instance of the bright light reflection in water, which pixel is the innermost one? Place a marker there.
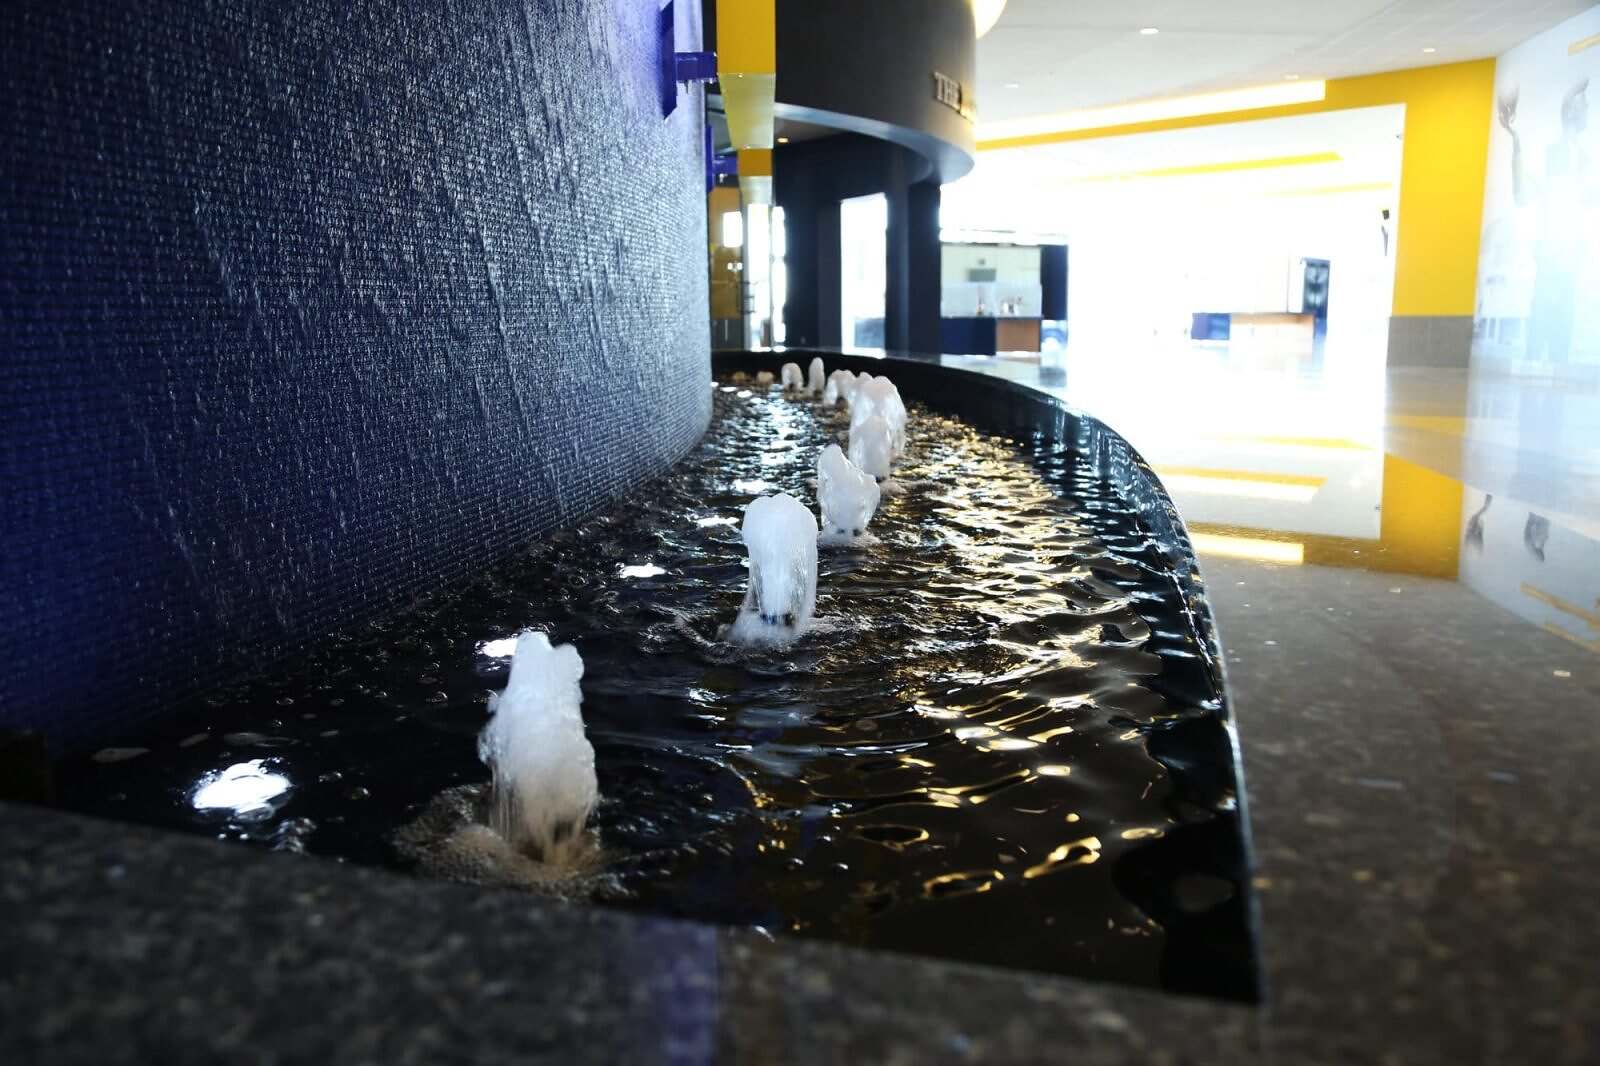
(641, 570)
(503, 648)
(716, 520)
(244, 788)
(751, 485)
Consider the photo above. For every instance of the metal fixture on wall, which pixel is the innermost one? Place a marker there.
(679, 68)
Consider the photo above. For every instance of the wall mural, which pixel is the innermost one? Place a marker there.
(1541, 235)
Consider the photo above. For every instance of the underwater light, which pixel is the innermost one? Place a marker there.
(244, 788)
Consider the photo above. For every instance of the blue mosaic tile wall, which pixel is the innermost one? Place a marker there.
(308, 307)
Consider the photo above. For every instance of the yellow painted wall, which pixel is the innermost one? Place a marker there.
(747, 64)
(747, 36)
(724, 262)
(1449, 110)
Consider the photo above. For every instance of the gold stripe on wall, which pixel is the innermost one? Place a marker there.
(1564, 606)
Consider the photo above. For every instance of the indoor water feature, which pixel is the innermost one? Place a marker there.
(986, 730)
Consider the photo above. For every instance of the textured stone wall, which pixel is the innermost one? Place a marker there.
(306, 308)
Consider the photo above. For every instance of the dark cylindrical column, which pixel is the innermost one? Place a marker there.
(897, 267)
(924, 280)
(829, 276)
(800, 304)
(1053, 282)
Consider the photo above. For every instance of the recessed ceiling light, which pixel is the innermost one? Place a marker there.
(1149, 31)
(1291, 77)
(1430, 51)
(1013, 85)
(783, 140)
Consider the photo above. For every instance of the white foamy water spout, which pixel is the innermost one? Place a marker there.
(847, 496)
(816, 376)
(793, 380)
(841, 383)
(764, 379)
(872, 446)
(878, 396)
(543, 764)
(780, 537)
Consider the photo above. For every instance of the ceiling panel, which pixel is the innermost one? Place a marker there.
(1061, 55)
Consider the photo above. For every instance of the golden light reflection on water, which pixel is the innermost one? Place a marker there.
(1080, 852)
(1007, 744)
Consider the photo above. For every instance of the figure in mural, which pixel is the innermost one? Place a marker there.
(1474, 537)
(1536, 534)
(1559, 193)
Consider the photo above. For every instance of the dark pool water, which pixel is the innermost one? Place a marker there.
(1001, 745)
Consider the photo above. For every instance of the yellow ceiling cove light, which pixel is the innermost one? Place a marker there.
(985, 13)
(1291, 553)
(1254, 98)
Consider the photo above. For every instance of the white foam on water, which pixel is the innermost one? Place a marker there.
(780, 537)
(543, 765)
(847, 497)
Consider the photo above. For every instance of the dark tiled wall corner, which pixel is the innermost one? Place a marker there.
(306, 308)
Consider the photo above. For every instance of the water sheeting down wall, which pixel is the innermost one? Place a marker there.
(307, 308)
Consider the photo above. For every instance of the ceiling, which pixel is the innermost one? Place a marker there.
(1055, 187)
(1047, 56)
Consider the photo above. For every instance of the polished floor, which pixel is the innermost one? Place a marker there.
(1404, 567)
(1482, 477)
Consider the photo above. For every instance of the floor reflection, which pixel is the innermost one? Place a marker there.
(1484, 477)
